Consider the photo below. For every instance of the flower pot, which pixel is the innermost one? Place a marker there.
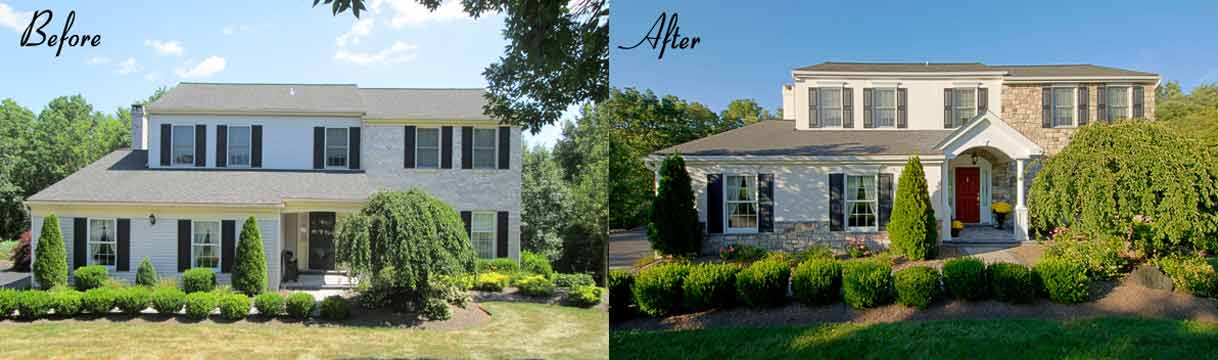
(1001, 220)
(955, 232)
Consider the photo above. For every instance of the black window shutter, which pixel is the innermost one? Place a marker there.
(221, 145)
(353, 148)
(837, 184)
(80, 248)
(886, 195)
(848, 107)
(468, 218)
(714, 203)
(983, 100)
(948, 119)
(1084, 105)
(166, 135)
(408, 154)
(446, 147)
(319, 145)
(813, 120)
(1139, 93)
(501, 238)
(1101, 107)
(1046, 107)
(505, 147)
(765, 203)
(467, 147)
(183, 245)
(256, 146)
(228, 231)
(200, 145)
(902, 106)
(123, 262)
(868, 104)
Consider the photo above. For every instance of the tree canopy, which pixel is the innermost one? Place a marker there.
(1193, 114)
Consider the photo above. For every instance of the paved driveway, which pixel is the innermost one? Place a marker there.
(626, 248)
(13, 279)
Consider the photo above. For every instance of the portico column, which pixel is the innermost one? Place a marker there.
(945, 225)
(1021, 210)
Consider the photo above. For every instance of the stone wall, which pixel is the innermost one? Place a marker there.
(1021, 108)
(795, 236)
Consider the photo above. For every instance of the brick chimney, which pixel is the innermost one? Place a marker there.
(139, 128)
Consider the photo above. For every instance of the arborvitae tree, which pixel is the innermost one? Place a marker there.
(249, 272)
(50, 256)
(146, 275)
(674, 216)
(913, 229)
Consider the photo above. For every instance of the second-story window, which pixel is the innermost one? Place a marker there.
(965, 105)
(238, 146)
(1118, 102)
(1063, 107)
(427, 148)
(829, 106)
(183, 145)
(336, 147)
(484, 148)
(885, 107)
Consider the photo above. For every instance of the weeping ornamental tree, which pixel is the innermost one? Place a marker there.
(1135, 180)
(913, 229)
(674, 219)
(401, 241)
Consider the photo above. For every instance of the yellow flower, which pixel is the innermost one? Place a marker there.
(956, 224)
(1001, 207)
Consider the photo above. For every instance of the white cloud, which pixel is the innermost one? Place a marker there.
(128, 66)
(205, 68)
(233, 29)
(152, 76)
(165, 47)
(399, 52)
(12, 19)
(362, 28)
(98, 60)
(410, 12)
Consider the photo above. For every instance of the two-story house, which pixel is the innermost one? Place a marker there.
(298, 158)
(827, 172)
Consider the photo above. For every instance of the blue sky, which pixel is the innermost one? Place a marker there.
(147, 44)
(749, 48)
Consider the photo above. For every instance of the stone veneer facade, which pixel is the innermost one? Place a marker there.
(795, 236)
(1021, 108)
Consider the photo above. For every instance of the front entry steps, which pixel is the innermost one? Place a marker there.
(321, 280)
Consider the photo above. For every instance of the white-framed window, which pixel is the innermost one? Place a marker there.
(965, 105)
(1118, 102)
(182, 143)
(103, 242)
(482, 233)
(239, 146)
(829, 106)
(862, 204)
(336, 147)
(205, 244)
(885, 107)
(484, 148)
(1063, 106)
(740, 201)
(427, 148)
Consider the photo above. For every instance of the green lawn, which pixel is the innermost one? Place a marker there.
(967, 339)
(517, 330)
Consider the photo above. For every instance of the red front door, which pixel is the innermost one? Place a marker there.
(968, 194)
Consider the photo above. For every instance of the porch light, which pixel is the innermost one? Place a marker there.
(152, 219)
(974, 158)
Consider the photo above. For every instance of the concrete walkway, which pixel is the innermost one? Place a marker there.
(1019, 253)
(12, 279)
(627, 247)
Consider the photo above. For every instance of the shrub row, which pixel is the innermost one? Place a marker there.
(67, 302)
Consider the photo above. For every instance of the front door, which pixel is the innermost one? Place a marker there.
(968, 194)
(321, 241)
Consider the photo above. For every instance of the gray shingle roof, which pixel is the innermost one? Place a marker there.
(780, 138)
(1012, 70)
(122, 177)
(298, 98)
(1067, 70)
(447, 104)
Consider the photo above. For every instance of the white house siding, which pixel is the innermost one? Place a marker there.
(925, 97)
(159, 243)
(287, 142)
(801, 201)
(463, 189)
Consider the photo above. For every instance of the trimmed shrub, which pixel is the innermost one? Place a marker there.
(92, 276)
(200, 304)
(249, 271)
(198, 280)
(33, 304)
(66, 301)
(535, 285)
(917, 286)
(8, 302)
(51, 264)
(620, 296)
(964, 278)
(300, 305)
(710, 286)
(132, 300)
(817, 281)
(657, 290)
(584, 296)
(913, 229)
(269, 304)
(99, 301)
(335, 307)
(448, 289)
(673, 226)
(234, 306)
(436, 310)
(1101, 256)
(534, 263)
(491, 281)
(866, 283)
(1064, 281)
(1190, 273)
(22, 254)
(764, 283)
(1011, 283)
(568, 281)
(500, 265)
(167, 300)
(146, 275)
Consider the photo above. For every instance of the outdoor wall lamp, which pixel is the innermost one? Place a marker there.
(152, 219)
